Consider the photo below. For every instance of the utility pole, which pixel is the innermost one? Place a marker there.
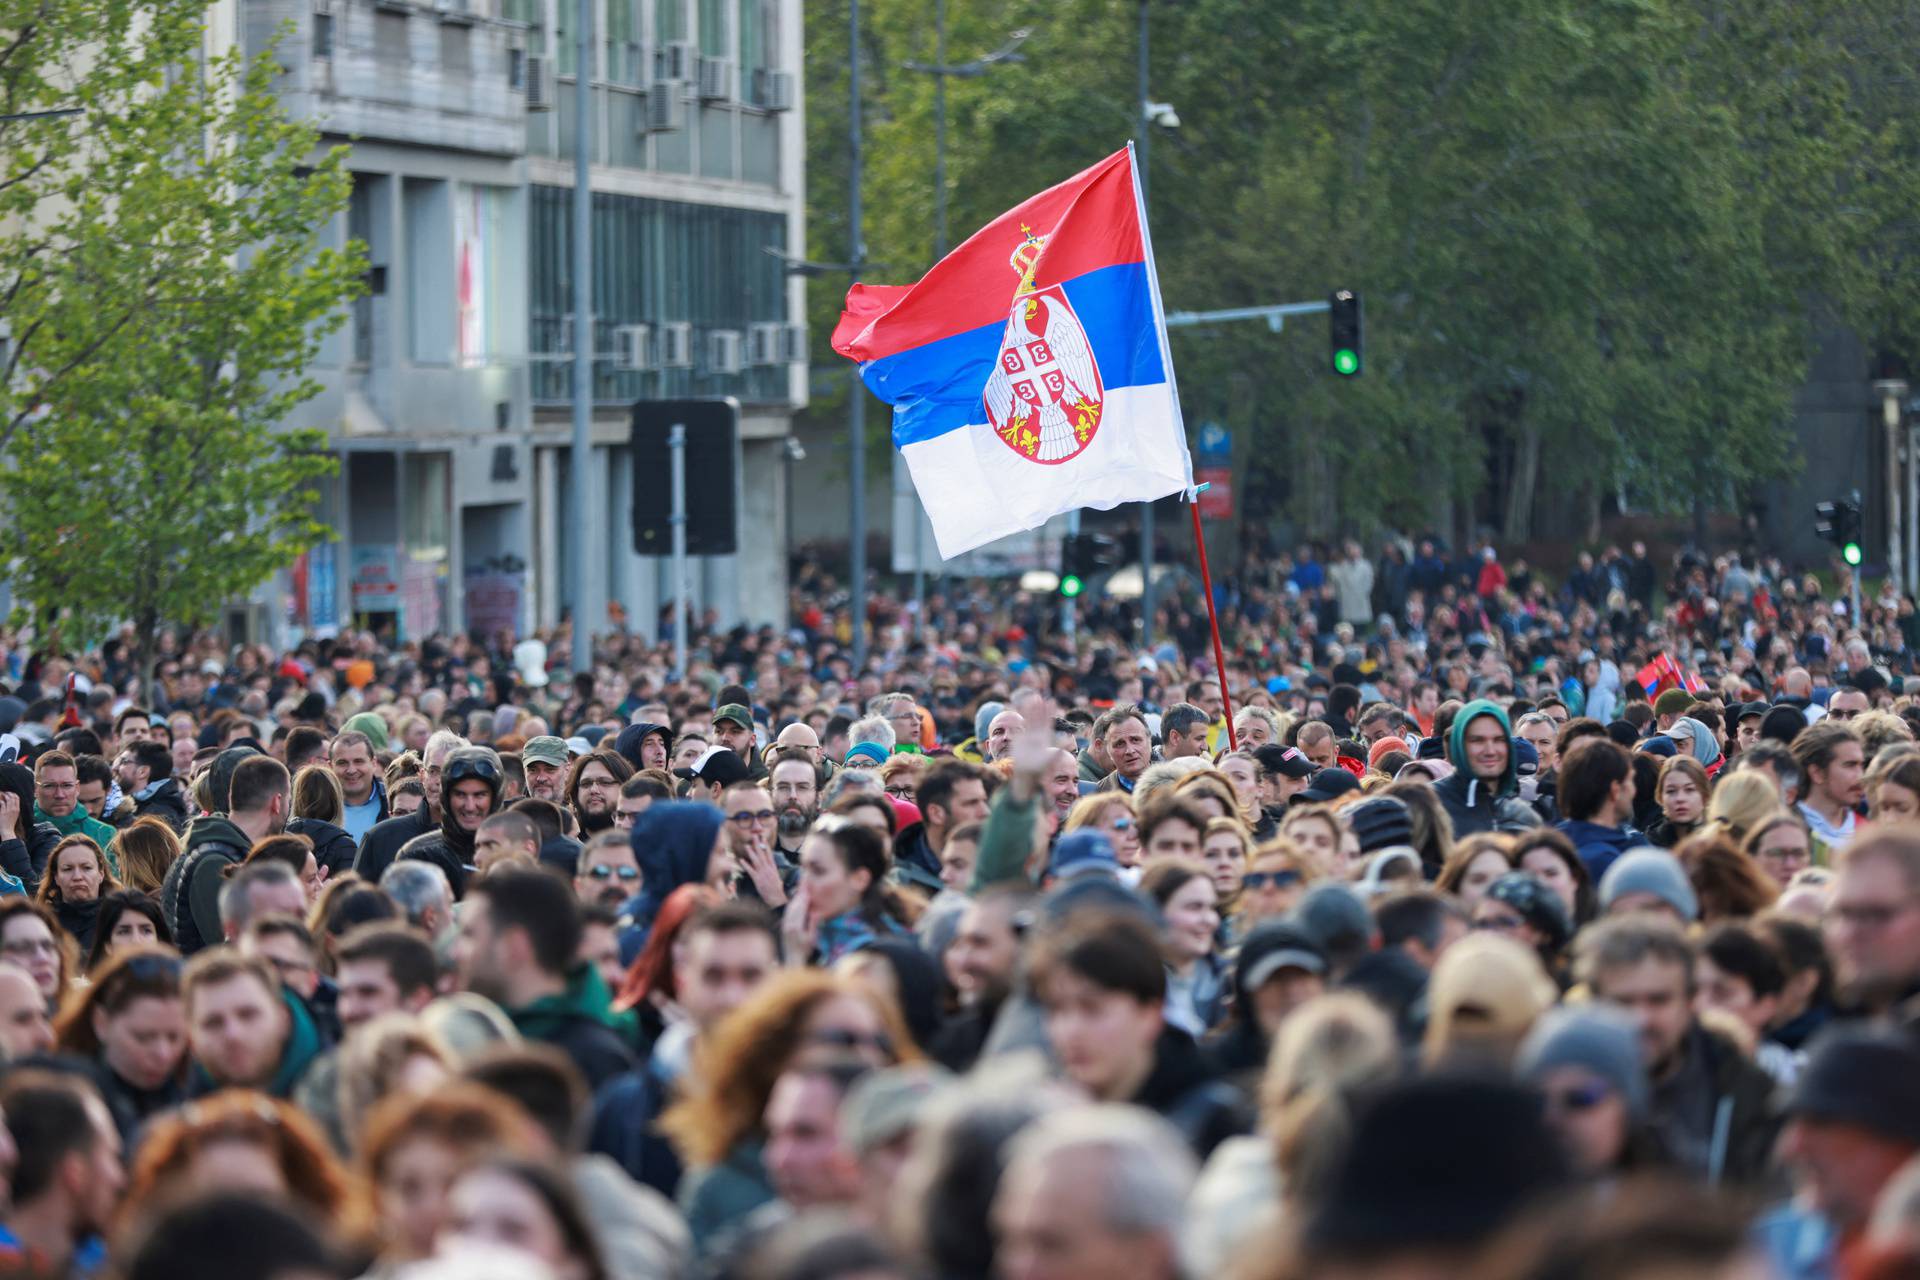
(857, 396)
(581, 458)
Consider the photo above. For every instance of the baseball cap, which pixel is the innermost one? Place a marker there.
(1862, 1077)
(1275, 947)
(1328, 784)
(735, 712)
(1674, 702)
(716, 765)
(1751, 709)
(545, 749)
(1288, 762)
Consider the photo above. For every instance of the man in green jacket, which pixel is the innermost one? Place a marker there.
(56, 802)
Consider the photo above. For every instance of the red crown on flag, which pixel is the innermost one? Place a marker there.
(1025, 258)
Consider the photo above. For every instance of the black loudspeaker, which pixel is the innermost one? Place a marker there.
(713, 469)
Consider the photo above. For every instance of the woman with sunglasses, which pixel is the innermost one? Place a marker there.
(1278, 873)
(1586, 1063)
(130, 1024)
(795, 1017)
(1111, 813)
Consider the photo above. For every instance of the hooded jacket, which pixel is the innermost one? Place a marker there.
(166, 801)
(915, 864)
(451, 847)
(333, 848)
(672, 843)
(1473, 805)
(628, 743)
(24, 858)
(580, 1021)
(190, 895)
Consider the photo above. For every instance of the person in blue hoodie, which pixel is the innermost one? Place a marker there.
(674, 843)
(1482, 792)
(1596, 794)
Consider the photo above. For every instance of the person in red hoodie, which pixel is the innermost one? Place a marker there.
(1493, 576)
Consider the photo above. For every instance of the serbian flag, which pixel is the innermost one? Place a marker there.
(1028, 371)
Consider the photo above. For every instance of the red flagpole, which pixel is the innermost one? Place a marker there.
(1213, 620)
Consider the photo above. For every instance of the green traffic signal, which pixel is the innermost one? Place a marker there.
(1071, 585)
(1851, 554)
(1346, 362)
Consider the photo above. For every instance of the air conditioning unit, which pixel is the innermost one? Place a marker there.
(716, 79)
(633, 347)
(676, 345)
(323, 7)
(772, 90)
(666, 106)
(539, 86)
(793, 344)
(676, 60)
(724, 351)
(763, 344)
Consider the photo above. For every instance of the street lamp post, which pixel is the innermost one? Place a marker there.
(1146, 508)
(940, 70)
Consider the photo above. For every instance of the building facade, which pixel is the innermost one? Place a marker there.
(447, 395)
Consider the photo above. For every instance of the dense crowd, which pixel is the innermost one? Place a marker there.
(1468, 924)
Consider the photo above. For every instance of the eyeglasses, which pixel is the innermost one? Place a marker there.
(842, 1038)
(1278, 879)
(900, 793)
(747, 818)
(1121, 824)
(31, 947)
(1794, 853)
(1500, 924)
(605, 872)
(1581, 1098)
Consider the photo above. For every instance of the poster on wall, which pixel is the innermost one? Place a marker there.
(420, 598)
(493, 601)
(470, 275)
(376, 578)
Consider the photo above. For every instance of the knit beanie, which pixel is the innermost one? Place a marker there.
(1783, 724)
(1653, 871)
(369, 723)
(1380, 823)
(1594, 1038)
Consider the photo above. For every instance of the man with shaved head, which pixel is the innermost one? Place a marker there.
(1001, 732)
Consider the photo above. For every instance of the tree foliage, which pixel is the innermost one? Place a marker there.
(166, 285)
(1597, 238)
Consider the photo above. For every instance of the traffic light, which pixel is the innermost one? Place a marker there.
(1839, 522)
(1344, 331)
(1082, 555)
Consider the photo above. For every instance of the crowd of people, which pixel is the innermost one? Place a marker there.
(1465, 924)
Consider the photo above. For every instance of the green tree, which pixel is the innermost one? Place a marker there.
(167, 283)
(1597, 240)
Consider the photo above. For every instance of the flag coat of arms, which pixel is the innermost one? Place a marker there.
(1028, 371)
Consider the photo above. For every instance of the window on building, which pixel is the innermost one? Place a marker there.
(715, 37)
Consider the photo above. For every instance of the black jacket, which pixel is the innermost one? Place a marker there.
(914, 861)
(1183, 1090)
(1716, 1113)
(1474, 807)
(169, 802)
(383, 842)
(79, 919)
(434, 847)
(626, 1112)
(26, 858)
(190, 895)
(333, 848)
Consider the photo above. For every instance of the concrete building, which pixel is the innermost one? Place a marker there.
(447, 394)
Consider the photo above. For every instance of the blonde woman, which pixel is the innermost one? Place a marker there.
(1742, 798)
(1112, 813)
(1318, 830)
(1225, 847)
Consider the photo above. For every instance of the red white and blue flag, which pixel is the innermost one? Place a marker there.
(1662, 673)
(1029, 371)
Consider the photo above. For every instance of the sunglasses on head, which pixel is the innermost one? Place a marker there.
(150, 966)
(1278, 879)
(605, 872)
